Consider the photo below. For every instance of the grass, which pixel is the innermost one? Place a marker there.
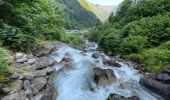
(5, 69)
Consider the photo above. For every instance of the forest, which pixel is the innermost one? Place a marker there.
(138, 30)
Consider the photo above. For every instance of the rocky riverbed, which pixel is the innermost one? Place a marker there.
(58, 71)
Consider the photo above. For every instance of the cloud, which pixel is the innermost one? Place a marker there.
(105, 2)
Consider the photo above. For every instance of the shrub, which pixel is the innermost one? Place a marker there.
(16, 39)
(133, 44)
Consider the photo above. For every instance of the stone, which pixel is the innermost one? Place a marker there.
(104, 59)
(40, 73)
(104, 77)
(21, 60)
(14, 96)
(15, 76)
(17, 85)
(27, 84)
(163, 77)
(44, 50)
(44, 62)
(22, 95)
(31, 61)
(35, 91)
(20, 77)
(96, 55)
(29, 93)
(6, 90)
(29, 76)
(155, 86)
(67, 59)
(118, 97)
(113, 63)
(39, 83)
(42, 96)
(50, 69)
(19, 56)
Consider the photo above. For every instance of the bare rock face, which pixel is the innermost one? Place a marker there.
(104, 77)
(118, 97)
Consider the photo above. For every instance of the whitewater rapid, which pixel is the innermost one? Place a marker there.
(74, 83)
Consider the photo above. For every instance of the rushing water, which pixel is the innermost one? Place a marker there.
(75, 83)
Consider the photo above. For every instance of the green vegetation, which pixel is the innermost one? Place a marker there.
(4, 68)
(138, 30)
(23, 21)
(76, 17)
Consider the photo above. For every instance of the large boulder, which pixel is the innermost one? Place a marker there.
(43, 63)
(155, 86)
(39, 83)
(17, 85)
(45, 50)
(104, 77)
(118, 97)
(163, 77)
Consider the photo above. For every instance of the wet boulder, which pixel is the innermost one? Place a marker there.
(118, 97)
(155, 86)
(104, 77)
(96, 55)
(164, 77)
(113, 63)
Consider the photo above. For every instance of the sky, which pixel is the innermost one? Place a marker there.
(106, 2)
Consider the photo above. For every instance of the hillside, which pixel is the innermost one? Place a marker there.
(76, 17)
(102, 12)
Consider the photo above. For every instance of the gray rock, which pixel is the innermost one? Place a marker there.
(118, 97)
(19, 56)
(35, 91)
(67, 59)
(14, 96)
(163, 77)
(15, 76)
(96, 55)
(27, 84)
(20, 77)
(40, 73)
(21, 60)
(155, 86)
(41, 97)
(17, 85)
(29, 76)
(44, 50)
(113, 63)
(31, 61)
(6, 90)
(29, 93)
(44, 62)
(22, 95)
(39, 83)
(104, 77)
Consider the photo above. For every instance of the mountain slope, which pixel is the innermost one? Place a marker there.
(102, 12)
(77, 17)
